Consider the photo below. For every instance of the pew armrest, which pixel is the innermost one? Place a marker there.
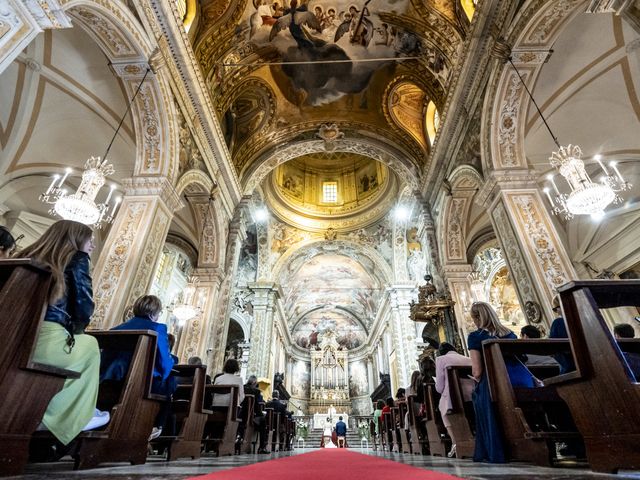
(51, 370)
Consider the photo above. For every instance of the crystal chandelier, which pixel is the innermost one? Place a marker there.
(81, 205)
(586, 197)
(185, 308)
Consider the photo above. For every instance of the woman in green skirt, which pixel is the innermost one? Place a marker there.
(65, 249)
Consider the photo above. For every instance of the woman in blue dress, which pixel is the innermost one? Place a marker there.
(489, 444)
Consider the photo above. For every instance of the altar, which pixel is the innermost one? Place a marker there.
(320, 419)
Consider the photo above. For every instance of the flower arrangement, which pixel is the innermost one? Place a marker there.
(302, 429)
(363, 429)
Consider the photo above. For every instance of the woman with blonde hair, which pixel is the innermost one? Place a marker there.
(489, 445)
(65, 248)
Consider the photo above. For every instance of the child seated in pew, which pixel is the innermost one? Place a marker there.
(489, 445)
(532, 332)
(65, 248)
(146, 311)
(7, 243)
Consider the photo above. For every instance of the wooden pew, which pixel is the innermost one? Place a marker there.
(26, 387)
(416, 439)
(222, 422)
(270, 419)
(191, 416)
(436, 431)
(601, 393)
(132, 406)
(399, 413)
(522, 410)
(274, 441)
(461, 425)
(248, 411)
(388, 428)
(382, 436)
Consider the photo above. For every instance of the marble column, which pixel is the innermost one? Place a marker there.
(404, 337)
(21, 21)
(535, 255)
(265, 295)
(193, 341)
(460, 289)
(133, 247)
(428, 232)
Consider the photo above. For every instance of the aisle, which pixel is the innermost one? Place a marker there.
(327, 464)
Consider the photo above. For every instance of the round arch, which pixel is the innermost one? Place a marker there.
(127, 46)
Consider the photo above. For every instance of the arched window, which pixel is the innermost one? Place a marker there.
(432, 121)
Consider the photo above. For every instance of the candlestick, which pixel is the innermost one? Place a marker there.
(615, 169)
(66, 174)
(115, 205)
(546, 190)
(53, 182)
(598, 157)
(553, 183)
(113, 187)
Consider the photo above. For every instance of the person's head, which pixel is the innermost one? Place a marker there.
(172, 341)
(331, 12)
(623, 330)
(318, 10)
(380, 404)
(56, 247)
(389, 402)
(445, 348)
(231, 366)
(195, 361)
(353, 10)
(275, 395)
(415, 381)
(485, 318)
(340, 418)
(148, 306)
(252, 380)
(7, 243)
(555, 306)
(529, 331)
(400, 393)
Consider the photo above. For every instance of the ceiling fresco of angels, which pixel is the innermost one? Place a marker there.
(330, 48)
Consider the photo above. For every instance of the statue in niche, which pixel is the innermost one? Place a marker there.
(416, 265)
(413, 242)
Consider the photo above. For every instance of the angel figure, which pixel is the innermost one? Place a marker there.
(295, 20)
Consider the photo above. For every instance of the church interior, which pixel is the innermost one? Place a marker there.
(322, 190)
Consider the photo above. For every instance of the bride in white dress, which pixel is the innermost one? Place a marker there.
(326, 434)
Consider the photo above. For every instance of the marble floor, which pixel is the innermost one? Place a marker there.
(157, 469)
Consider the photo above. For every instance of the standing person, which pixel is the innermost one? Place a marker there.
(65, 248)
(341, 433)
(7, 243)
(146, 312)
(489, 444)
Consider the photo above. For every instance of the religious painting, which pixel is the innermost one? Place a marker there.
(329, 49)
(358, 381)
(310, 330)
(248, 262)
(301, 378)
(292, 182)
(367, 179)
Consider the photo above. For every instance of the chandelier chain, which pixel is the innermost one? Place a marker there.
(104, 157)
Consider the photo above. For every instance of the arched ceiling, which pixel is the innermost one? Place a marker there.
(275, 73)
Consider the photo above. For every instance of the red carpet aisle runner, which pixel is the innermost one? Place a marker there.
(327, 465)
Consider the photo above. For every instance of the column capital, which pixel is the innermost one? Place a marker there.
(209, 275)
(459, 271)
(154, 186)
(510, 179)
(265, 293)
(400, 295)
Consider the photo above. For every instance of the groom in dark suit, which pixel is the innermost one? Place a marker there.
(341, 433)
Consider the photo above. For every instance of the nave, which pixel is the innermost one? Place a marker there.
(158, 469)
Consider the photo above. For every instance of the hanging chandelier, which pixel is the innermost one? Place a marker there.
(81, 205)
(586, 197)
(185, 308)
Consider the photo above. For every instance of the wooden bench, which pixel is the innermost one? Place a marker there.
(399, 413)
(436, 431)
(222, 422)
(416, 435)
(388, 428)
(188, 407)
(602, 393)
(461, 424)
(132, 405)
(522, 411)
(247, 411)
(26, 387)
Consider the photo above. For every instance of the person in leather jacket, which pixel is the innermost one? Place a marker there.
(65, 248)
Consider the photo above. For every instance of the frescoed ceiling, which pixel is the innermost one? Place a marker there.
(330, 289)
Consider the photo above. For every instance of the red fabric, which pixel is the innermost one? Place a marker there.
(326, 465)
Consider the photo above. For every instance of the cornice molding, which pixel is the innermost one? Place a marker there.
(154, 186)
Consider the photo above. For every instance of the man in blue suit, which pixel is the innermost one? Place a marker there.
(341, 433)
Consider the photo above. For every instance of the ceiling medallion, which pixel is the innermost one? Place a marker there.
(329, 133)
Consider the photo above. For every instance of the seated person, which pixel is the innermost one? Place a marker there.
(530, 331)
(622, 331)
(230, 376)
(559, 330)
(114, 365)
(251, 388)
(449, 357)
(192, 361)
